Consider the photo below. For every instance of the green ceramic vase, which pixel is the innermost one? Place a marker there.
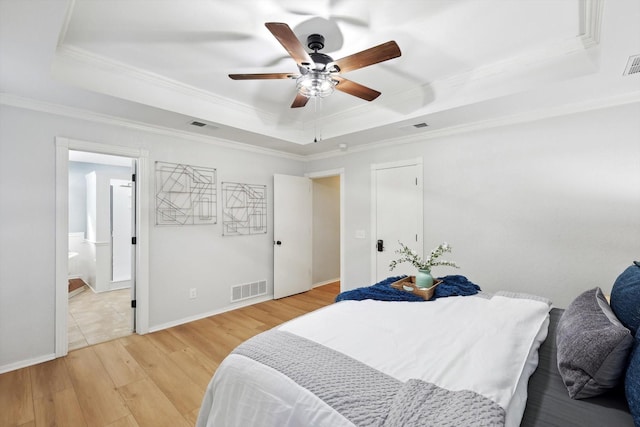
(424, 279)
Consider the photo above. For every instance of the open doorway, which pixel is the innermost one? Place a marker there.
(140, 250)
(327, 228)
(101, 224)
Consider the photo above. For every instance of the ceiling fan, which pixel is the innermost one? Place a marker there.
(319, 74)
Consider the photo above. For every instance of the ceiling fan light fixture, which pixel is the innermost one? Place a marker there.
(319, 74)
(315, 84)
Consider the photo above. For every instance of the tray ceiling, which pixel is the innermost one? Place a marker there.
(463, 62)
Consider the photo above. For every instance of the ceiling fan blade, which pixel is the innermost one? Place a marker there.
(300, 101)
(289, 41)
(263, 76)
(355, 89)
(374, 55)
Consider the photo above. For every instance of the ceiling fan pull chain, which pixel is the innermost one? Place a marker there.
(317, 138)
(315, 119)
(320, 101)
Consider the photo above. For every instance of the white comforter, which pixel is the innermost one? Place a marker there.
(489, 346)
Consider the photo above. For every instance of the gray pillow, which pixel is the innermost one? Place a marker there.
(593, 346)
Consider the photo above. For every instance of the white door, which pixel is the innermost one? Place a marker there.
(398, 216)
(292, 235)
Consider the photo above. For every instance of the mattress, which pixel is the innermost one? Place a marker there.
(488, 346)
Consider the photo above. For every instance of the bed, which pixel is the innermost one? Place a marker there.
(467, 360)
(548, 403)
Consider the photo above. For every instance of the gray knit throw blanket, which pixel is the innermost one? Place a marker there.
(366, 396)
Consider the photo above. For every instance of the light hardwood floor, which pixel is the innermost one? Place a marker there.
(150, 380)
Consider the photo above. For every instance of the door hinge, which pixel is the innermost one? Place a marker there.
(133, 303)
(416, 181)
(133, 240)
(133, 177)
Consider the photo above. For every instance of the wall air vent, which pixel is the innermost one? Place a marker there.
(633, 66)
(420, 125)
(199, 124)
(248, 290)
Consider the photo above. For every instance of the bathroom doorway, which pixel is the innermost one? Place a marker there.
(101, 224)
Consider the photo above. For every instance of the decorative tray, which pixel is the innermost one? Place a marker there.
(408, 284)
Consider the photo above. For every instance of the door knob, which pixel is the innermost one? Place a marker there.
(278, 242)
(380, 246)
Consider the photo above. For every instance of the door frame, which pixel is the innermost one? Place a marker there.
(327, 174)
(374, 194)
(141, 269)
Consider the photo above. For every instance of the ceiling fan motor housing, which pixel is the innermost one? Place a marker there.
(315, 42)
(320, 61)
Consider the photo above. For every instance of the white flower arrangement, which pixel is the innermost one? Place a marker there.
(409, 255)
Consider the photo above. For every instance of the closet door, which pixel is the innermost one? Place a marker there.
(398, 215)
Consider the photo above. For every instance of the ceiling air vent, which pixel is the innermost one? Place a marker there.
(413, 126)
(633, 66)
(199, 124)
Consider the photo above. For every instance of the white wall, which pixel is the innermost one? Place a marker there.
(27, 226)
(550, 207)
(180, 257)
(326, 230)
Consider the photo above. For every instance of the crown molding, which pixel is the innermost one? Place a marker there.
(109, 65)
(530, 116)
(539, 114)
(82, 114)
(129, 72)
(590, 18)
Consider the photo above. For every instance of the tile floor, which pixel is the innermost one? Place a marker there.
(95, 318)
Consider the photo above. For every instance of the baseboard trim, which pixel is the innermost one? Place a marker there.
(184, 320)
(25, 363)
(326, 282)
(78, 291)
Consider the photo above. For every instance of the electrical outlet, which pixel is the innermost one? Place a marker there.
(193, 293)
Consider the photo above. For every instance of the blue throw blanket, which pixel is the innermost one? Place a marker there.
(455, 285)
